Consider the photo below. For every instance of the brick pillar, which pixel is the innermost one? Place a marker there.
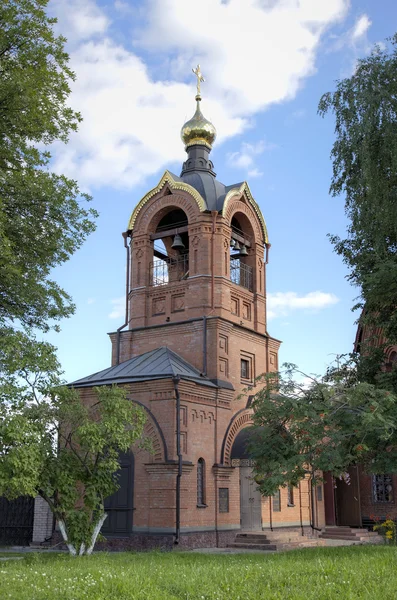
(43, 521)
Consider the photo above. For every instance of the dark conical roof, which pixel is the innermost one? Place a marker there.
(161, 363)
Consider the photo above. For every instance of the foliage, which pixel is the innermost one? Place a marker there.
(54, 445)
(43, 218)
(365, 171)
(388, 529)
(359, 572)
(331, 424)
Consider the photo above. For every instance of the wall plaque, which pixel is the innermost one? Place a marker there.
(223, 500)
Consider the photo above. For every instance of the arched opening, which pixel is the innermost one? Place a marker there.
(250, 496)
(170, 248)
(120, 506)
(242, 254)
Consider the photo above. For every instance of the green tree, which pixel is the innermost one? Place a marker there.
(365, 171)
(329, 425)
(43, 217)
(55, 446)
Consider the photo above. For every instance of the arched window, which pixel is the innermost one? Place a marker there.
(201, 482)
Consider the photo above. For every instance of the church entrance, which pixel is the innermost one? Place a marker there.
(120, 506)
(250, 501)
(250, 496)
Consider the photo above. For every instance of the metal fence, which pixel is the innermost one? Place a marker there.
(174, 269)
(16, 521)
(241, 274)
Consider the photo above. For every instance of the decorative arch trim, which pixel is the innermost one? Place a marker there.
(242, 419)
(244, 189)
(153, 430)
(167, 178)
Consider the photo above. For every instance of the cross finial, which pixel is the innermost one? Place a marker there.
(200, 78)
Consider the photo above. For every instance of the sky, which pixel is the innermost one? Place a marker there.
(266, 64)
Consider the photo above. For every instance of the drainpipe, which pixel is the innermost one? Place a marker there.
(127, 289)
(176, 381)
(270, 514)
(214, 215)
(300, 508)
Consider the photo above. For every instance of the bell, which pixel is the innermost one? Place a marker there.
(232, 243)
(177, 244)
(237, 246)
(243, 250)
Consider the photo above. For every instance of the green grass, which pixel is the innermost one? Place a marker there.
(320, 573)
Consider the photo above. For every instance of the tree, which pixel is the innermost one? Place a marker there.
(55, 446)
(331, 424)
(365, 171)
(43, 218)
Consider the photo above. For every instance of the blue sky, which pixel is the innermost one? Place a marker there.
(266, 63)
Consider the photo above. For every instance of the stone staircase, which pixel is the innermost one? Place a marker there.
(275, 540)
(252, 541)
(353, 534)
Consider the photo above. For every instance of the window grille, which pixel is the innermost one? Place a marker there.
(382, 487)
(201, 482)
(241, 274)
(163, 272)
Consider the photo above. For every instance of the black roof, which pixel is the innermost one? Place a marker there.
(212, 190)
(161, 363)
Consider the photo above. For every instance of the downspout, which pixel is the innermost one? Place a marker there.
(176, 381)
(213, 214)
(127, 289)
(270, 514)
(300, 508)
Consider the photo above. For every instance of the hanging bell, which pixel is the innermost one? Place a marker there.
(232, 243)
(177, 244)
(237, 246)
(243, 250)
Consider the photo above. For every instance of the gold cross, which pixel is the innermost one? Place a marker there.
(199, 76)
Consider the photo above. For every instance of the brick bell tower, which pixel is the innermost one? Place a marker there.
(197, 269)
(193, 339)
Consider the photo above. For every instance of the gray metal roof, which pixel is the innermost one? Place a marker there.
(161, 363)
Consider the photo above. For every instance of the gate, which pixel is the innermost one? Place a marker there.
(16, 521)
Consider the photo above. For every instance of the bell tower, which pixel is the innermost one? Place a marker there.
(198, 252)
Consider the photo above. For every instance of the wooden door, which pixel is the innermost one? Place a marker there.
(348, 508)
(119, 506)
(250, 501)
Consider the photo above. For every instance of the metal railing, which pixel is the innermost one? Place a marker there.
(163, 272)
(241, 274)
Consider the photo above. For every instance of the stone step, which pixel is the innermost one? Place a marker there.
(353, 538)
(248, 546)
(256, 539)
(344, 529)
(359, 533)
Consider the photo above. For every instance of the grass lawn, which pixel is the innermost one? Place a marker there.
(315, 573)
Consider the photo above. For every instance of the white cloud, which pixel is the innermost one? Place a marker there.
(91, 300)
(361, 27)
(133, 110)
(79, 19)
(245, 158)
(118, 310)
(281, 304)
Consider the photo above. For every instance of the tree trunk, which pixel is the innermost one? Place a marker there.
(95, 533)
(62, 527)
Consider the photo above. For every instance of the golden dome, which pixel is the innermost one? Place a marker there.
(198, 130)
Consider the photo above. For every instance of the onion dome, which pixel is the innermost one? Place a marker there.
(198, 130)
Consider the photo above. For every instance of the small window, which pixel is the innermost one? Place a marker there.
(319, 493)
(245, 369)
(290, 496)
(382, 486)
(276, 502)
(201, 483)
